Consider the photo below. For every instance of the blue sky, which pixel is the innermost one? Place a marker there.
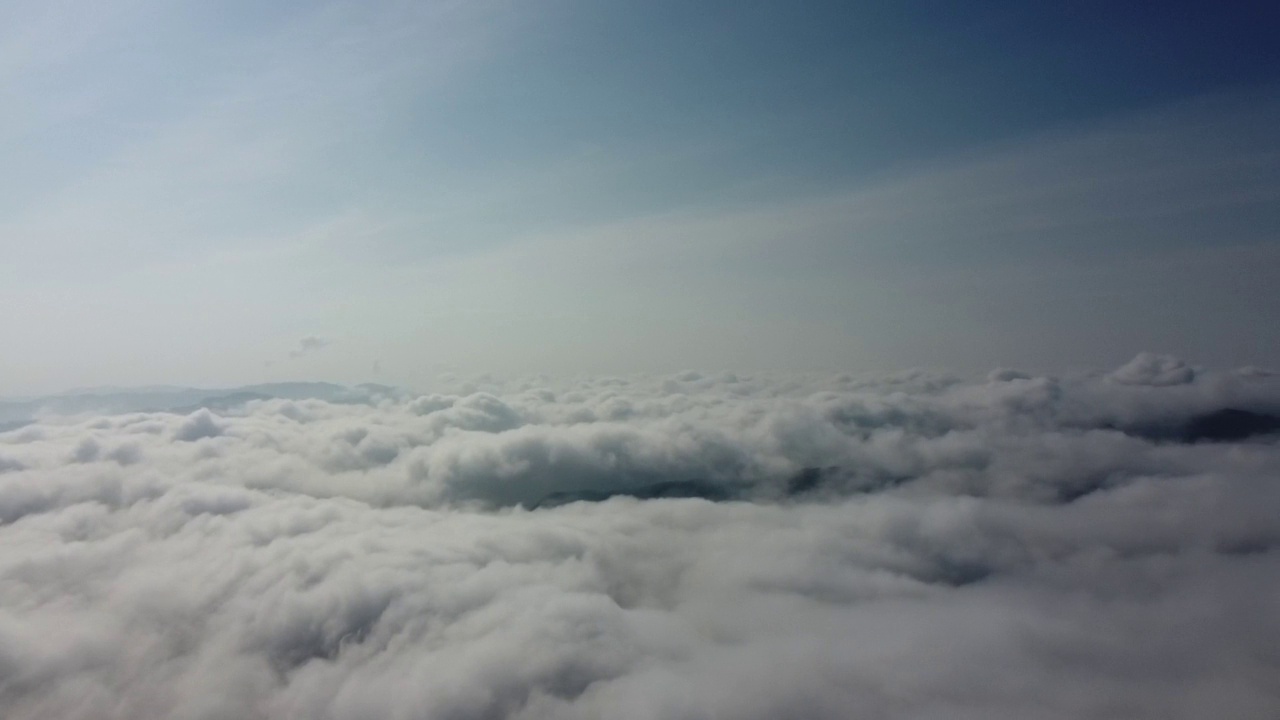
(192, 189)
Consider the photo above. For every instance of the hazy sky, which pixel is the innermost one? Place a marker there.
(232, 192)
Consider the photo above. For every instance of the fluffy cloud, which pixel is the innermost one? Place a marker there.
(916, 546)
(308, 345)
(1152, 369)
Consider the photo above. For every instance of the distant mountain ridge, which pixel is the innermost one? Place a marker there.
(183, 400)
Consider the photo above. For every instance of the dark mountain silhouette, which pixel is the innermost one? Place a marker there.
(1230, 424)
(666, 489)
(1225, 425)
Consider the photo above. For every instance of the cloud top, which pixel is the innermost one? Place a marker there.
(1152, 369)
(308, 345)
(689, 546)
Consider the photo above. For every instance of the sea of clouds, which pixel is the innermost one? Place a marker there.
(915, 546)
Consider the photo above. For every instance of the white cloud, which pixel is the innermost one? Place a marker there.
(1152, 369)
(201, 424)
(308, 345)
(1018, 546)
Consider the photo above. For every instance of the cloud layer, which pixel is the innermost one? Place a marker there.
(914, 546)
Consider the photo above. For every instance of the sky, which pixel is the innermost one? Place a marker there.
(218, 194)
